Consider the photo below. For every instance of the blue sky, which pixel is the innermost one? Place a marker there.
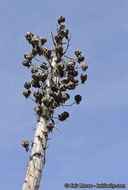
(92, 145)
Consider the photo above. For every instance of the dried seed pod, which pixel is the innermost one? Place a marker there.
(66, 32)
(29, 36)
(65, 80)
(27, 85)
(61, 19)
(34, 69)
(28, 56)
(48, 53)
(57, 96)
(50, 126)
(65, 97)
(62, 26)
(43, 76)
(60, 66)
(58, 38)
(26, 63)
(25, 144)
(47, 101)
(26, 93)
(43, 66)
(84, 66)
(77, 52)
(35, 84)
(36, 76)
(62, 87)
(43, 40)
(34, 51)
(63, 116)
(54, 87)
(59, 49)
(39, 50)
(38, 110)
(76, 82)
(73, 73)
(70, 85)
(61, 31)
(80, 58)
(83, 78)
(70, 64)
(35, 40)
(78, 98)
(38, 95)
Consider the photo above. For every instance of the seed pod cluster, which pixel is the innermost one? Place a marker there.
(48, 94)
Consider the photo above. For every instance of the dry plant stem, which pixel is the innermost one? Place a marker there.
(37, 158)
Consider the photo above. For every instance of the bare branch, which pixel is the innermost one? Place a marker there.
(53, 39)
(68, 43)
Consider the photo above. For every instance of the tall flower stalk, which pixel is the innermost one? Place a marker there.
(52, 81)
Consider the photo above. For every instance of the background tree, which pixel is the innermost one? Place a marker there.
(51, 80)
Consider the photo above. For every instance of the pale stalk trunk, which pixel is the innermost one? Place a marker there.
(37, 158)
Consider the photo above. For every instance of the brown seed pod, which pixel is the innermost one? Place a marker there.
(80, 58)
(84, 66)
(28, 56)
(47, 101)
(78, 98)
(34, 51)
(83, 78)
(43, 76)
(35, 84)
(59, 49)
(62, 87)
(29, 36)
(26, 63)
(61, 31)
(70, 85)
(66, 32)
(61, 19)
(43, 40)
(65, 80)
(65, 97)
(63, 116)
(73, 73)
(58, 38)
(48, 53)
(27, 85)
(35, 40)
(25, 144)
(71, 78)
(34, 69)
(62, 26)
(26, 93)
(57, 96)
(71, 64)
(77, 52)
(43, 66)
(39, 50)
(36, 76)
(60, 66)
(38, 110)
(38, 95)
(54, 87)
